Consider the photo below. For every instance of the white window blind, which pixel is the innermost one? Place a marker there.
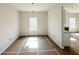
(72, 22)
(33, 23)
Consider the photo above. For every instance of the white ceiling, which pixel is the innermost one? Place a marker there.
(32, 7)
(72, 7)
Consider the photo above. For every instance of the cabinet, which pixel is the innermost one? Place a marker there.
(66, 38)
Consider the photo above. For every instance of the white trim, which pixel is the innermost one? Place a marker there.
(7, 46)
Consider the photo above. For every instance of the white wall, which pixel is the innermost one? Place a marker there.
(24, 23)
(65, 34)
(55, 24)
(9, 26)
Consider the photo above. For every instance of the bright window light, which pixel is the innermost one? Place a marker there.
(77, 34)
(73, 39)
(33, 23)
(32, 43)
(72, 22)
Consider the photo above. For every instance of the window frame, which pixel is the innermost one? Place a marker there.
(72, 24)
(33, 23)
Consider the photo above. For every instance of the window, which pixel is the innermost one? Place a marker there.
(72, 22)
(33, 23)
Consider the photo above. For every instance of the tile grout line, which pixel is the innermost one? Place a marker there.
(48, 50)
(32, 51)
(17, 53)
(21, 47)
(38, 50)
(10, 52)
(49, 42)
(26, 51)
(51, 45)
(55, 48)
(57, 52)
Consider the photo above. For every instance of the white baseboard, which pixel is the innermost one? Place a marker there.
(55, 42)
(7, 45)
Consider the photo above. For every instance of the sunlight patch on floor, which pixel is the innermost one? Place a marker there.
(77, 34)
(32, 42)
(73, 39)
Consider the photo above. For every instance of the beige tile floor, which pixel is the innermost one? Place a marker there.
(75, 42)
(31, 46)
